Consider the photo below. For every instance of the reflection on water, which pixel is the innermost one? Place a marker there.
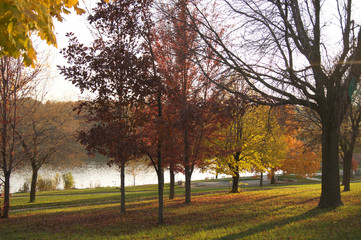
(92, 175)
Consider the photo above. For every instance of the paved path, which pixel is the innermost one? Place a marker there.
(314, 179)
(229, 183)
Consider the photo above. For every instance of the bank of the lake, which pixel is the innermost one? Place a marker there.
(96, 175)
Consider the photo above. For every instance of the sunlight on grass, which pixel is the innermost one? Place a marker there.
(282, 212)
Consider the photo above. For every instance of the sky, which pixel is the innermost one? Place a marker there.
(59, 88)
(62, 90)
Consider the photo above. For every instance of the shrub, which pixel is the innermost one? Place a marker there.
(57, 180)
(25, 188)
(45, 184)
(68, 180)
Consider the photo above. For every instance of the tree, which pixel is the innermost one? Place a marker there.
(302, 135)
(68, 180)
(282, 50)
(252, 140)
(41, 135)
(71, 153)
(135, 167)
(187, 93)
(308, 128)
(14, 88)
(19, 19)
(299, 159)
(116, 68)
(269, 145)
(348, 138)
(197, 125)
(230, 146)
(310, 133)
(110, 135)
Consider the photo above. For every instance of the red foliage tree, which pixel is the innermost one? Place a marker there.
(189, 98)
(113, 134)
(116, 68)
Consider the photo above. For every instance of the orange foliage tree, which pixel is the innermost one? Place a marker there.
(300, 160)
(302, 156)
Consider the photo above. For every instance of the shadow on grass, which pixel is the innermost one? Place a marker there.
(130, 197)
(283, 222)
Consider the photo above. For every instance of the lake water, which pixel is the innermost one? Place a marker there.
(91, 176)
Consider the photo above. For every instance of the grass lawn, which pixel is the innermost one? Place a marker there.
(282, 212)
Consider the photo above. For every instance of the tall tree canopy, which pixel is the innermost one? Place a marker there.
(287, 52)
(116, 68)
(189, 97)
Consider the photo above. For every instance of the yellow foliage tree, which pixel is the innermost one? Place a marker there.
(270, 140)
(253, 141)
(20, 18)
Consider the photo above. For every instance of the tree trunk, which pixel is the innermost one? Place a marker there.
(187, 169)
(347, 162)
(6, 204)
(172, 181)
(122, 187)
(159, 167)
(188, 175)
(347, 148)
(160, 174)
(235, 182)
(235, 170)
(330, 193)
(261, 180)
(34, 179)
(273, 179)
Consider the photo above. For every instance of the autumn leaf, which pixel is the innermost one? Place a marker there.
(17, 23)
